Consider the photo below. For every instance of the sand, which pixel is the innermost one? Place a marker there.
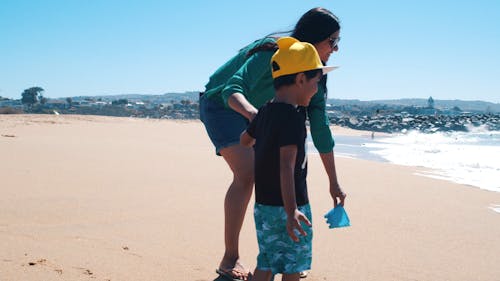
(101, 198)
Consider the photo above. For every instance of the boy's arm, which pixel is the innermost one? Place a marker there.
(246, 139)
(288, 155)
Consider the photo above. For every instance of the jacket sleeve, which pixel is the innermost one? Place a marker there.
(249, 74)
(320, 124)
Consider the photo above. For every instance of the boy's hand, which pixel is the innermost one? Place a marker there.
(293, 222)
(337, 194)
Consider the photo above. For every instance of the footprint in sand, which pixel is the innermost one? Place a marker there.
(43, 262)
(86, 271)
(40, 262)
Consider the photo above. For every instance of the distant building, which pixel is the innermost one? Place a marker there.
(430, 102)
(56, 104)
(100, 104)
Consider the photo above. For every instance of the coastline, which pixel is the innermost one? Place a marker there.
(106, 198)
(462, 157)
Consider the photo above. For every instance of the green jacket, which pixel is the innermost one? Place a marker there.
(251, 76)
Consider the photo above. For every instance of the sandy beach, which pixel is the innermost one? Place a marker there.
(104, 198)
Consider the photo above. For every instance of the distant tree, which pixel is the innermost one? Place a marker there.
(120, 102)
(30, 96)
(185, 102)
(456, 108)
(43, 100)
(430, 102)
(69, 101)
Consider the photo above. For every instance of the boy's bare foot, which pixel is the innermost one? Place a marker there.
(236, 271)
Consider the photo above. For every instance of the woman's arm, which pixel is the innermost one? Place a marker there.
(240, 104)
(324, 143)
(244, 80)
(319, 123)
(336, 191)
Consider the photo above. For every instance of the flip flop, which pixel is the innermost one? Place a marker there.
(226, 274)
(303, 274)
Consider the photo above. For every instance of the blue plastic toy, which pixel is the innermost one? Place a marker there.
(337, 217)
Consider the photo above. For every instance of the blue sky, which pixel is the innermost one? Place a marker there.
(389, 49)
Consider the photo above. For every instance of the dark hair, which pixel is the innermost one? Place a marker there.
(316, 25)
(290, 78)
(269, 46)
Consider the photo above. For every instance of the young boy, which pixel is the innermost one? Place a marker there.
(282, 210)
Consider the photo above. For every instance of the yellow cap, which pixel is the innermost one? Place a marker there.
(294, 56)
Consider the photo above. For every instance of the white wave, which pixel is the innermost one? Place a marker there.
(346, 155)
(346, 145)
(477, 129)
(466, 158)
(495, 208)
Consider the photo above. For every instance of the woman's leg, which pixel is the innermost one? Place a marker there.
(241, 161)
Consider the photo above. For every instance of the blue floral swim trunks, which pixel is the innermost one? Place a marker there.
(277, 251)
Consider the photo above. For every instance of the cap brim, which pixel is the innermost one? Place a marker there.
(327, 69)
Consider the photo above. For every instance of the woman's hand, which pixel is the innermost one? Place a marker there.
(337, 194)
(252, 114)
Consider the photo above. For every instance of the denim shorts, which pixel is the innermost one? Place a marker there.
(278, 253)
(224, 125)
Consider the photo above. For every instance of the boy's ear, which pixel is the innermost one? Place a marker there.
(300, 79)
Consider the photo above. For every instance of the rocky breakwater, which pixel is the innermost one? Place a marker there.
(424, 123)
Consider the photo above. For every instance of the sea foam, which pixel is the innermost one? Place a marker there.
(470, 158)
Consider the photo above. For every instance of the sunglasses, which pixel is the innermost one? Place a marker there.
(334, 41)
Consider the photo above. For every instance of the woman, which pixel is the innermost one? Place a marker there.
(233, 95)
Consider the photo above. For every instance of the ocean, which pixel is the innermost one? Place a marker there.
(470, 158)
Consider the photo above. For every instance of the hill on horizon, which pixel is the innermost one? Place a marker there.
(464, 105)
(473, 106)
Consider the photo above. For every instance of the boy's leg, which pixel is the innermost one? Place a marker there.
(291, 277)
(296, 256)
(260, 275)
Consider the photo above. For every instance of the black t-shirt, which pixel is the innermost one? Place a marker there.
(277, 125)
